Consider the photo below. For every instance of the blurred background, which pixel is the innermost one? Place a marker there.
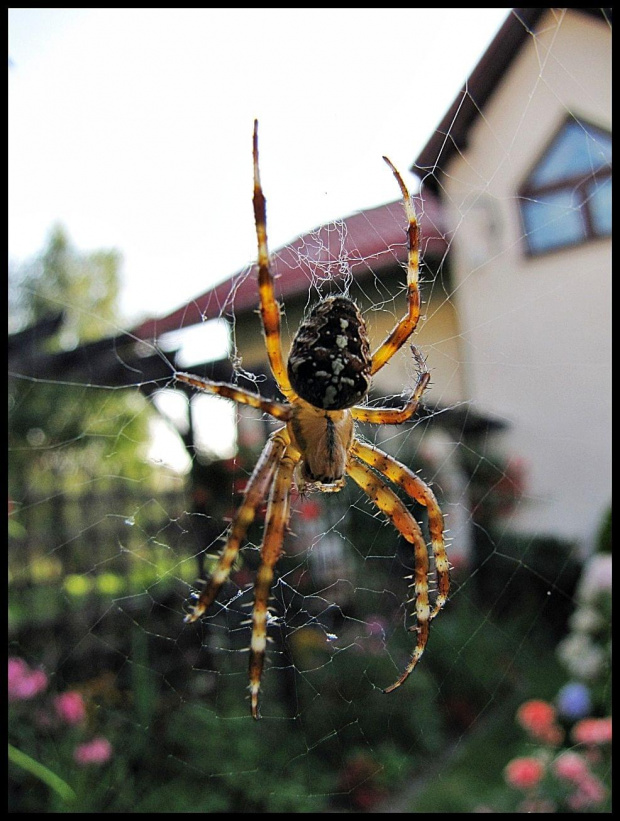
(131, 255)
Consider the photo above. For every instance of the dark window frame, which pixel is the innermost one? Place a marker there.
(577, 184)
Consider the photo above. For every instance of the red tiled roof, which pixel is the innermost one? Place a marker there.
(368, 240)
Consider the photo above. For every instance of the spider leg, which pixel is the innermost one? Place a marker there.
(253, 496)
(275, 522)
(269, 308)
(421, 492)
(403, 330)
(277, 409)
(394, 416)
(389, 503)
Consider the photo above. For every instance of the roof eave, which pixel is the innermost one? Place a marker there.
(452, 132)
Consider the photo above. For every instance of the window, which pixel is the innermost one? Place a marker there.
(566, 198)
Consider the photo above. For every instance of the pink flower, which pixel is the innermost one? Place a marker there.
(70, 707)
(592, 731)
(571, 767)
(529, 805)
(523, 773)
(590, 791)
(17, 669)
(97, 751)
(538, 718)
(24, 683)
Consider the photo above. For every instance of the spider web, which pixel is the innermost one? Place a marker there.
(329, 740)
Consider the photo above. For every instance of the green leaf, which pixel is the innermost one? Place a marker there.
(42, 773)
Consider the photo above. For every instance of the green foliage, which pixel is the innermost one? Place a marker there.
(472, 776)
(62, 435)
(83, 285)
(498, 671)
(169, 754)
(247, 766)
(344, 746)
(604, 534)
(29, 765)
(526, 574)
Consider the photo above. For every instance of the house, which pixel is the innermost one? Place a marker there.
(522, 165)
(363, 253)
(515, 222)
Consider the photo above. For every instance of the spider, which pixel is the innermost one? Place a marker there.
(327, 376)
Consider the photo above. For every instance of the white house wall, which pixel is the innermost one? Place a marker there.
(536, 332)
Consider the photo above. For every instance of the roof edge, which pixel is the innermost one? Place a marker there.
(452, 132)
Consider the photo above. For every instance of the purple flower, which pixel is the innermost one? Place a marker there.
(574, 701)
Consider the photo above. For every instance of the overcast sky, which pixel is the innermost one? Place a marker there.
(132, 127)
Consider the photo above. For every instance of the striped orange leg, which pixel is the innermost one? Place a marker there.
(421, 492)
(254, 495)
(403, 330)
(277, 409)
(389, 503)
(269, 308)
(395, 416)
(276, 521)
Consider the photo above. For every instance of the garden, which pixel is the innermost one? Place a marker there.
(116, 704)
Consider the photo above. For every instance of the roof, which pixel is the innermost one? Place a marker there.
(452, 132)
(371, 239)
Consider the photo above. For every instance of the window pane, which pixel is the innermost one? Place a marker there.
(600, 207)
(577, 150)
(552, 220)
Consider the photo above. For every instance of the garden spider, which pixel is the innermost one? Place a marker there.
(328, 372)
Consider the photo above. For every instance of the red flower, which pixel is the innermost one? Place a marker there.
(309, 509)
(523, 773)
(535, 714)
(357, 779)
(240, 484)
(592, 731)
(538, 718)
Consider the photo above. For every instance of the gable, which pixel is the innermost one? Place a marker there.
(452, 134)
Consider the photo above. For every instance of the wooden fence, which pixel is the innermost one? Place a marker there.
(96, 532)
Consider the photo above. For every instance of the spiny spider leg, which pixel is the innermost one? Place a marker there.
(275, 522)
(421, 492)
(395, 416)
(403, 330)
(318, 439)
(277, 409)
(389, 504)
(269, 307)
(253, 496)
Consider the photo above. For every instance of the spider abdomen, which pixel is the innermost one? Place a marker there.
(329, 363)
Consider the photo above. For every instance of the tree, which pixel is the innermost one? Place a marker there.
(61, 434)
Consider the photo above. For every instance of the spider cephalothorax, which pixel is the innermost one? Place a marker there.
(328, 372)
